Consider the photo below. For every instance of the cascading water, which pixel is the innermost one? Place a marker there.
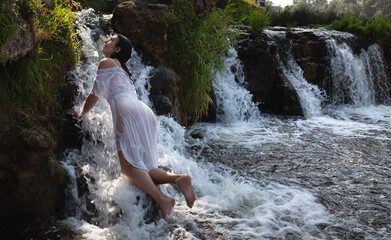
(341, 153)
(232, 99)
(228, 205)
(310, 96)
(256, 176)
(358, 79)
(351, 79)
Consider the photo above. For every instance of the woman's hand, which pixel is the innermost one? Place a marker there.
(75, 111)
(81, 111)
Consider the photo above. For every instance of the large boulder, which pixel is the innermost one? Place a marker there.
(144, 23)
(22, 39)
(269, 87)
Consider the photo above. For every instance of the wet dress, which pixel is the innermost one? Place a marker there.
(134, 122)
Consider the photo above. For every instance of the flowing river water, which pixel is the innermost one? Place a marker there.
(256, 176)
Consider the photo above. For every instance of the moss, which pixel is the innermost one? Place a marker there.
(8, 16)
(30, 86)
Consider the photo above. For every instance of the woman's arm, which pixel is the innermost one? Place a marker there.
(92, 99)
(90, 102)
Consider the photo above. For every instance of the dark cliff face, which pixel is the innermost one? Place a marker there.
(310, 50)
(264, 79)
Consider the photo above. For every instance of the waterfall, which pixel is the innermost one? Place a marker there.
(358, 79)
(310, 97)
(233, 101)
(351, 80)
(375, 65)
(106, 206)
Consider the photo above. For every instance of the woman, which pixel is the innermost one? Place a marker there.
(135, 126)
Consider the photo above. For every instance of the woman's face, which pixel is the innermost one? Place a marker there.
(109, 46)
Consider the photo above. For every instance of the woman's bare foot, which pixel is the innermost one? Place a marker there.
(184, 184)
(166, 205)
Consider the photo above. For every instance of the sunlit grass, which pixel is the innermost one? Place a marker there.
(30, 87)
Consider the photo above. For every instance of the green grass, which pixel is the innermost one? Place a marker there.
(196, 48)
(239, 10)
(30, 86)
(258, 20)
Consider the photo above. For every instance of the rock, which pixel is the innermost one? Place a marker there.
(202, 7)
(22, 41)
(212, 113)
(143, 22)
(164, 91)
(37, 140)
(31, 179)
(5, 162)
(38, 186)
(265, 82)
(310, 52)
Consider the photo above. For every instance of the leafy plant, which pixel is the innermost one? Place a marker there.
(352, 24)
(196, 46)
(239, 10)
(258, 20)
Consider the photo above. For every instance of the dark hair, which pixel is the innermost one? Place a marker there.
(124, 54)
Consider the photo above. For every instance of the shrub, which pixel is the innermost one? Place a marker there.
(239, 10)
(301, 16)
(352, 24)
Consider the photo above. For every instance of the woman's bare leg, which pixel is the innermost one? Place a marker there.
(183, 181)
(143, 180)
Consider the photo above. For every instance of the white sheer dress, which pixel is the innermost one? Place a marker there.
(134, 122)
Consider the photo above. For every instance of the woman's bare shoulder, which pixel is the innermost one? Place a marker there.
(105, 63)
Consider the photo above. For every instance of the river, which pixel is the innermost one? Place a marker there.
(256, 175)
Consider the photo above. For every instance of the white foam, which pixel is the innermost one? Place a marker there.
(228, 203)
(233, 100)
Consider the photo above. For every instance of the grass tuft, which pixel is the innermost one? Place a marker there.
(196, 47)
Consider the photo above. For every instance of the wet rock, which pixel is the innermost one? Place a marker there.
(269, 87)
(37, 140)
(22, 41)
(164, 91)
(310, 53)
(212, 112)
